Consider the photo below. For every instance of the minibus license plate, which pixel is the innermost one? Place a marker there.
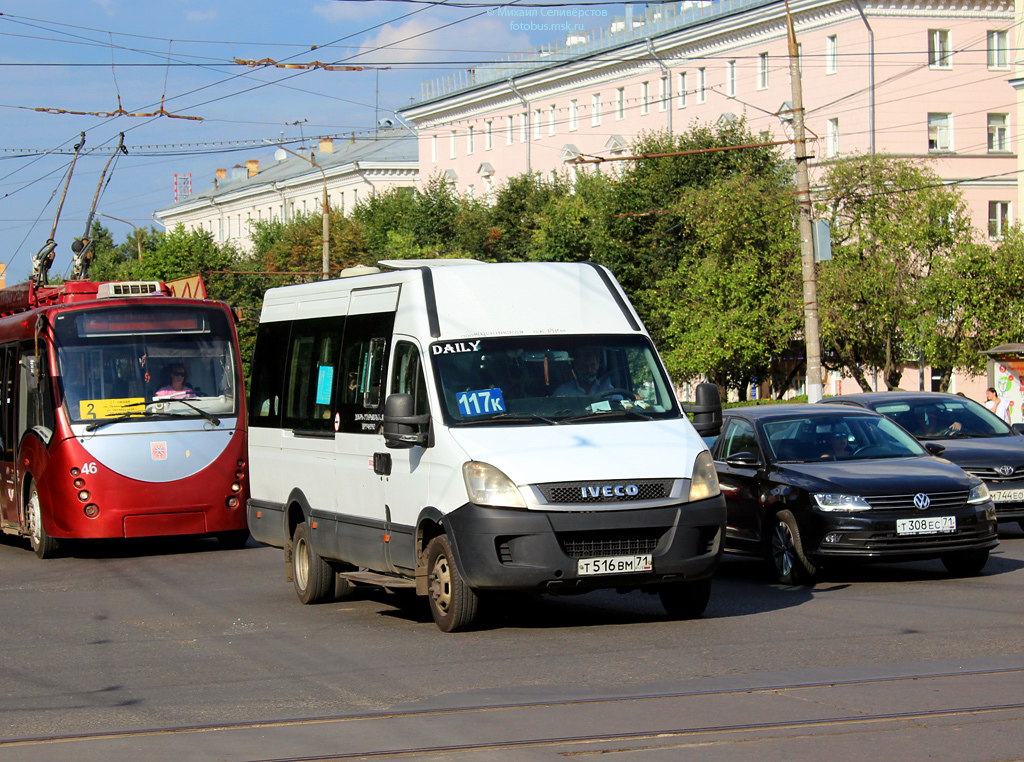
(930, 525)
(588, 567)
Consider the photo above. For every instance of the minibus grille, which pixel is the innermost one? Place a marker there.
(598, 544)
(607, 491)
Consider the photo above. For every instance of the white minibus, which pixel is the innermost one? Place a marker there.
(461, 428)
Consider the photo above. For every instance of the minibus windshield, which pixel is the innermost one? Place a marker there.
(137, 362)
(546, 380)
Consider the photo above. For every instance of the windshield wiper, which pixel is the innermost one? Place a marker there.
(513, 417)
(631, 413)
(208, 416)
(124, 416)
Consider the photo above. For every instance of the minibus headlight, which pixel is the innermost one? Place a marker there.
(704, 482)
(487, 485)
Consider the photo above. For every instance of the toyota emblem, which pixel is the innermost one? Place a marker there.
(1005, 470)
(922, 501)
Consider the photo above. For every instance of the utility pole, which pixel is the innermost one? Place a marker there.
(803, 196)
(326, 264)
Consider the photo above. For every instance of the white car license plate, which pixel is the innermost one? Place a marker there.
(1007, 495)
(930, 525)
(588, 567)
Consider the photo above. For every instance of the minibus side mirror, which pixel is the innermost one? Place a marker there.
(707, 410)
(401, 427)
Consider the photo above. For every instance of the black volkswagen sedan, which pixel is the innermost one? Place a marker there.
(971, 436)
(812, 485)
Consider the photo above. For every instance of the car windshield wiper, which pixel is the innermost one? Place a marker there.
(208, 416)
(524, 417)
(630, 413)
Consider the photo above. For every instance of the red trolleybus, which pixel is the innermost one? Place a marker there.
(122, 414)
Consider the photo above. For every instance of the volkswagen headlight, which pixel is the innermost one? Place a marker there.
(704, 481)
(487, 485)
(837, 503)
(979, 494)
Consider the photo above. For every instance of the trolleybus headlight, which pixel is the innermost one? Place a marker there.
(83, 495)
(487, 485)
(92, 510)
(79, 483)
(236, 487)
(239, 474)
(241, 463)
(232, 502)
(75, 472)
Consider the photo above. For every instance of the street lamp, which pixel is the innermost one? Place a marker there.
(326, 231)
(138, 240)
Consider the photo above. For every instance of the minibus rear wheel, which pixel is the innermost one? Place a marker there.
(452, 603)
(312, 576)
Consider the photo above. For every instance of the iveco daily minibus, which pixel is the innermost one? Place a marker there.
(463, 428)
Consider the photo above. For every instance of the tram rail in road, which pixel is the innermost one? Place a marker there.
(959, 712)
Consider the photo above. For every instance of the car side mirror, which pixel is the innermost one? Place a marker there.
(743, 459)
(934, 448)
(1019, 428)
(401, 427)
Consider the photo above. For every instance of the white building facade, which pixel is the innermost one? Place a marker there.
(290, 185)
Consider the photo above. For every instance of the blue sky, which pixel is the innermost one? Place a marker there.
(81, 55)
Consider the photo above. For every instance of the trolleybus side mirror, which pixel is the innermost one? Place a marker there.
(31, 374)
(401, 427)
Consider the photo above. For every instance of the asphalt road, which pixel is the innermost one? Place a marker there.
(179, 650)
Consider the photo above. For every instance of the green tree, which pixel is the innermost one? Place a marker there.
(892, 222)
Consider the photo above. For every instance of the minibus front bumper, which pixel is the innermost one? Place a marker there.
(508, 549)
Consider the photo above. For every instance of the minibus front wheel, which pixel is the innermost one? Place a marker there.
(452, 603)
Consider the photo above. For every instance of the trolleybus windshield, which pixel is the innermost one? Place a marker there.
(134, 362)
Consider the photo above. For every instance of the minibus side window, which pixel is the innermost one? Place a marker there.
(268, 375)
(310, 374)
(407, 378)
(364, 370)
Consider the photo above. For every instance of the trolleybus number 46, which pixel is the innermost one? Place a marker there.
(586, 567)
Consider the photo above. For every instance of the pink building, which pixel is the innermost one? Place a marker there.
(925, 80)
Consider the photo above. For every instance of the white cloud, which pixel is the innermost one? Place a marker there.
(417, 41)
(202, 16)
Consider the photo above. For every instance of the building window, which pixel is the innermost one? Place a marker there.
(645, 98)
(489, 136)
(574, 115)
(832, 54)
(551, 119)
(940, 132)
(663, 94)
(702, 85)
(523, 119)
(620, 103)
(998, 132)
(998, 50)
(762, 71)
(508, 130)
(681, 97)
(595, 110)
(730, 78)
(433, 148)
(832, 138)
(998, 219)
(452, 148)
(537, 116)
(940, 54)
(471, 140)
